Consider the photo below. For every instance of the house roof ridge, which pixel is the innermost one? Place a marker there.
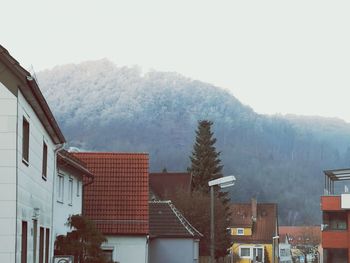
(112, 153)
(159, 201)
(169, 172)
(184, 221)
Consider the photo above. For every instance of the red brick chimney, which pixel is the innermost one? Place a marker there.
(254, 209)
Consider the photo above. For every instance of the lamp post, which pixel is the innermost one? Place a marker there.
(223, 182)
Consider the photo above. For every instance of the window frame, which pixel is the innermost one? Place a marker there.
(25, 140)
(41, 244)
(78, 188)
(60, 188)
(47, 245)
(245, 247)
(70, 191)
(24, 242)
(44, 162)
(238, 232)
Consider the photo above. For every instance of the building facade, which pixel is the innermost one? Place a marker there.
(170, 233)
(71, 177)
(254, 232)
(117, 202)
(335, 206)
(29, 141)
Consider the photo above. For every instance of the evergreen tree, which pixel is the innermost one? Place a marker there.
(83, 242)
(205, 166)
(205, 162)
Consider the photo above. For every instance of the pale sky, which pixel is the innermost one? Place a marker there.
(275, 56)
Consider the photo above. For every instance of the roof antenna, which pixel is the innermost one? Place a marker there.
(32, 73)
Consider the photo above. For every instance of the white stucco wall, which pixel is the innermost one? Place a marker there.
(173, 250)
(285, 258)
(128, 249)
(62, 210)
(8, 125)
(33, 190)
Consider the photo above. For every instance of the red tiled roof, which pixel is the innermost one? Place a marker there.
(117, 200)
(167, 221)
(166, 184)
(300, 235)
(263, 229)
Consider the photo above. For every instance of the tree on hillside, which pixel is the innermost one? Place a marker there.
(194, 206)
(83, 242)
(205, 166)
(205, 161)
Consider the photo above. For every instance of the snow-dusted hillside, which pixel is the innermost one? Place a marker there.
(104, 107)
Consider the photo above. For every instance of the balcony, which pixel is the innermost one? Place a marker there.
(339, 176)
(335, 221)
(335, 239)
(331, 203)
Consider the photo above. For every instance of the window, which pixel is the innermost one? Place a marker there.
(70, 193)
(335, 221)
(44, 161)
(78, 188)
(244, 252)
(47, 245)
(284, 252)
(240, 231)
(108, 255)
(41, 245)
(60, 188)
(24, 242)
(196, 251)
(35, 234)
(25, 141)
(258, 254)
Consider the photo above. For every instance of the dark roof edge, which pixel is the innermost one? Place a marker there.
(25, 77)
(255, 241)
(70, 161)
(173, 236)
(125, 234)
(190, 229)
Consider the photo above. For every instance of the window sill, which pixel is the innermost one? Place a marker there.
(70, 204)
(59, 201)
(44, 178)
(25, 162)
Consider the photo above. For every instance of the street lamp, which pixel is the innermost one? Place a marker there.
(223, 182)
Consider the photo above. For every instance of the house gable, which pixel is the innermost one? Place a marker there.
(14, 77)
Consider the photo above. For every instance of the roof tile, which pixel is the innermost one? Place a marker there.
(167, 221)
(118, 199)
(265, 226)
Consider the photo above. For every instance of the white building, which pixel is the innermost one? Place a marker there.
(285, 251)
(68, 190)
(29, 141)
(117, 202)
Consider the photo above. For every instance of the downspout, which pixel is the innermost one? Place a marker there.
(147, 248)
(57, 149)
(82, 193)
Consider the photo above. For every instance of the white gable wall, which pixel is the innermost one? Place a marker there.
(33, 191)
(128, 249)
(174, 250)
(8, 125)
(63, 208)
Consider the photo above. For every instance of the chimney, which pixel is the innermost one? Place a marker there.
(254, 209)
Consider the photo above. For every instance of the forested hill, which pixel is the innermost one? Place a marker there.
(280, 159)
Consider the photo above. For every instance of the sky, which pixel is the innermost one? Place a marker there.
(275, 56)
